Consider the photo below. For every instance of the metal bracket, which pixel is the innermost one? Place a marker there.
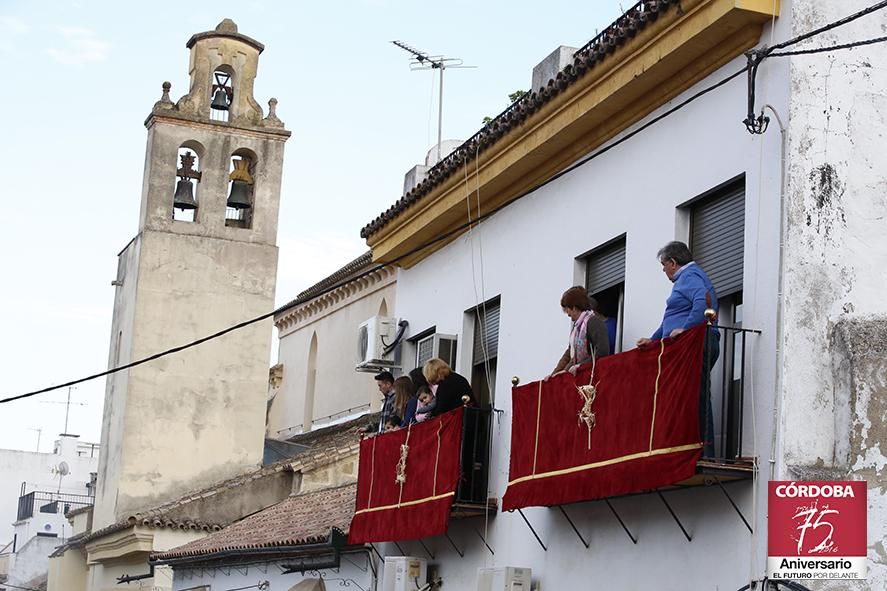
(427, 551)
(453, 544)
(735, 507)
(633, 539)
(674, 516)
(484, 541)
(399, 549)
(376, 550)
(538, 539)
(570, 521)
(755, 125)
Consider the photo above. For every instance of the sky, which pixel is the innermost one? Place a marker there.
(82, 76)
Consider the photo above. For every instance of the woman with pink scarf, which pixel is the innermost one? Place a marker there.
(588, 334)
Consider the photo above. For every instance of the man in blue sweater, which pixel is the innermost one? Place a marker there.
(685, 308)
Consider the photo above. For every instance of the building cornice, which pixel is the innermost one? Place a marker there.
(132, 540)
(333, 300)
(584, 107)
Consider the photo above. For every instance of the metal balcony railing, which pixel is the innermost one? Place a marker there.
(476, 431)
(727, 394)
(49, 503)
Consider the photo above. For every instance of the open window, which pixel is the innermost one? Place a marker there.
(485, 351)
(605, 281)
(241, 189)
(222, 94)
(185, 198)
(717, 241)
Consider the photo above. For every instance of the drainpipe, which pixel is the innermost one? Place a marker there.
(780, 293)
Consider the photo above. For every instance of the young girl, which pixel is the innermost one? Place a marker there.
(404, 400)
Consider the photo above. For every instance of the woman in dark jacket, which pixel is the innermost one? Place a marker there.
(451, 387)
(405, 400)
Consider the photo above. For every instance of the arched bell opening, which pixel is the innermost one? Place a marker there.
(185, 196)
(241, 189)
(221, 93)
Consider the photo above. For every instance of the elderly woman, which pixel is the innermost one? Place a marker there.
(451, 387)
(588, 334)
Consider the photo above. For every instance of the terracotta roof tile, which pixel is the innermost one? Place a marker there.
(359, 264)
(308, 518)
(584, 60)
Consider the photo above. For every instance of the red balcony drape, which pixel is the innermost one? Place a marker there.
(418, 505)
(645, 431)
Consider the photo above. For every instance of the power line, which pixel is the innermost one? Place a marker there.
(468, 224)
(828, 48)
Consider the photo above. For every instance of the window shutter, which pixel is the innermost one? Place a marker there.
(717, 232)
(606, 267)
(486, 332)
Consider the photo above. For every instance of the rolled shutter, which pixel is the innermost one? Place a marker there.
(486, 332)
(717, 239)
(606, 267)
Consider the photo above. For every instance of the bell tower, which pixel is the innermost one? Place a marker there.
(204, 259)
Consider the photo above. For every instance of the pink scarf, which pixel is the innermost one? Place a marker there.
(579, 340)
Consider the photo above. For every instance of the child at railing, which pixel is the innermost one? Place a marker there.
(392, 424)
(427, 403)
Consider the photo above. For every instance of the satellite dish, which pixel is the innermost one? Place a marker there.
(62, 469)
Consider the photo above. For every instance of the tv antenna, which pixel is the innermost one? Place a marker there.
(67, 404)
(424, 61)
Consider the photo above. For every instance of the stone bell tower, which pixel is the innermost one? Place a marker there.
(204, 259)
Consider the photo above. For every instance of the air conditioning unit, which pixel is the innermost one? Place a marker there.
(504, 578)
(373, 337)
(404, 573)
(436, 345)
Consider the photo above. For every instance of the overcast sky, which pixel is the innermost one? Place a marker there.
(80, 78)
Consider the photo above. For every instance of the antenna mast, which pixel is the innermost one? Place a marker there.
(423, 61)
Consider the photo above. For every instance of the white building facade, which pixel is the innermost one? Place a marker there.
(803, 199)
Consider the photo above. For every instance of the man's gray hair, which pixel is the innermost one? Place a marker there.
(676, 251)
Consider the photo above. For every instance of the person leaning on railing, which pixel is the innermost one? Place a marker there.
(685, 308)
(588, 333)
(451, 387)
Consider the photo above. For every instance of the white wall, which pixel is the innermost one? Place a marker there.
(35, 470)
(354, 567)
(528, 258)
(31, 560)
(337, 387)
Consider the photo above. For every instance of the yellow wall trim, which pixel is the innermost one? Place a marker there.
(664, 59)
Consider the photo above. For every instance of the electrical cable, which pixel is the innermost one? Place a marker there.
(458, 229)
(813, 50)
(443, 237)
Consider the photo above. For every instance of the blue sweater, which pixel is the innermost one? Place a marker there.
(685, 307)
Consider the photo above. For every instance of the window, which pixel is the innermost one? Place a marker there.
(221, 95)
(485, 351)
(717, 241)
(184, 201)
(717, 234)
(605, 281)
(241, 190)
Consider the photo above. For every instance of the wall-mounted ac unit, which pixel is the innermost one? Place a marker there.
(438, 345)
(374, 337)
(404, 573)
(504, 578)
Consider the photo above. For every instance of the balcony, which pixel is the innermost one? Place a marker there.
(46, 502)
(471, 493)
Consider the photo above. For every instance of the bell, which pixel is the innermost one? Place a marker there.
(239, 197)
(220, 100)
(184, 197)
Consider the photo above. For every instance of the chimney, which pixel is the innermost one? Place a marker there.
(548, 68)
(417, 174)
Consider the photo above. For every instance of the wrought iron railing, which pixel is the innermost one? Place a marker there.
(727, 393)
(50, 503)
(476, 431)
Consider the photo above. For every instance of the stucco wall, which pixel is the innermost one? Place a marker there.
(31, 560)
(35, 470)
(337, 386)
(529, 252)
(835, 260)
(68, 572)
